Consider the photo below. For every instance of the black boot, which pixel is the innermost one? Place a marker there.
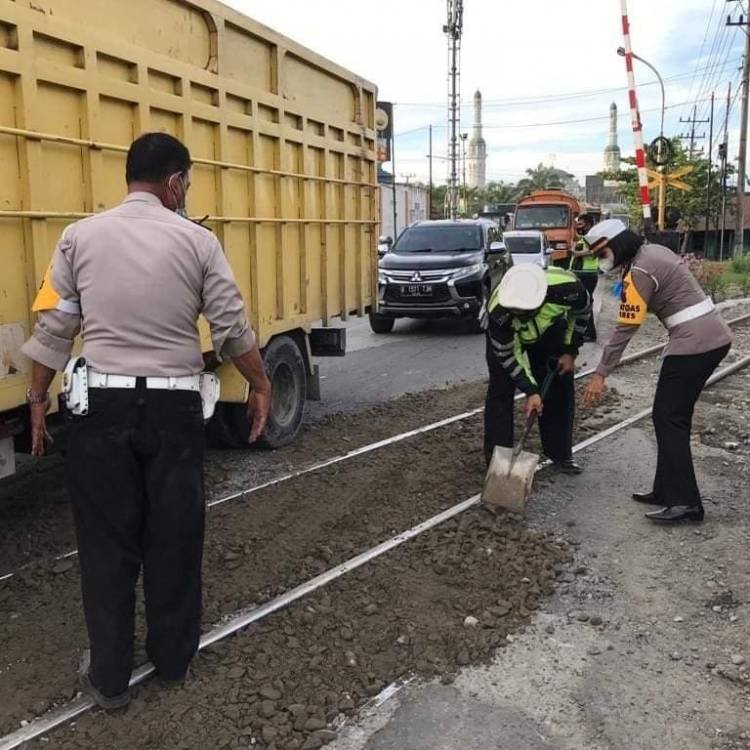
(677, 513)
(567, 466)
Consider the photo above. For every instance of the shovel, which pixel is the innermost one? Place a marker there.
(511, 470)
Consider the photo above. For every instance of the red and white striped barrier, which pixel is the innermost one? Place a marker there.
(635, 117)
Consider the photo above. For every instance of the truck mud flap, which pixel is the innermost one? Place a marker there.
(328, 342)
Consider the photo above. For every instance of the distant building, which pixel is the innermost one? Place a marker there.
(602, 192)
(477, 156)
(612, 150)
(412, 202)
(570, 184)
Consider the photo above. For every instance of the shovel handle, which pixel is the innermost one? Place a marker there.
(548, 378)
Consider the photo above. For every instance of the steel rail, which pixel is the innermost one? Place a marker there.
(355, 452)
(44, 724)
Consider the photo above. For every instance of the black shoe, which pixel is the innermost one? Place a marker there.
(647, 497)
(677, 513)
(568, 466)
(91, 691)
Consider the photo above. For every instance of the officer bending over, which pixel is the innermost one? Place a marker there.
(655, 279)
(535, 316)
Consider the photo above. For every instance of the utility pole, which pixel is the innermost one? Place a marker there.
(393, 186)
(723, 151)
(429, 196)
(739, 235)
(692, 137)
(453, 29)
(708, 179)
(464, 136)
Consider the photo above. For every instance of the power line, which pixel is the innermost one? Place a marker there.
(519, 101)
(722, 39)
(700, 51)
(715, 75)
(598, 118)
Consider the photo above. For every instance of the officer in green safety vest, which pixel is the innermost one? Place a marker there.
(585, 266)
(535, 316)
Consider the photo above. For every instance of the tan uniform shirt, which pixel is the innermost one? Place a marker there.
(662, 283)
(134, 280)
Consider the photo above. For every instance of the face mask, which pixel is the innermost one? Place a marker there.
(606, 262)
(178, 189)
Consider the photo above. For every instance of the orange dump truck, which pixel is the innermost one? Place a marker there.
(552, 212)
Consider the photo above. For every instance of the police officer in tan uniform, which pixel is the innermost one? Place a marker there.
(655, 279)
(134, 280)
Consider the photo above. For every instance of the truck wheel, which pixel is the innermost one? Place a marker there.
(286, 371)
(285, 367)
(381, 323)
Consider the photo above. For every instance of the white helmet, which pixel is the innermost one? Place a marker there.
(600, 234)
(522, 287)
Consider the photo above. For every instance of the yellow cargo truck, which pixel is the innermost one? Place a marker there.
(285, 171)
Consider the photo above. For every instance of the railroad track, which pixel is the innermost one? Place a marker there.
(42, 725)
(369, 448)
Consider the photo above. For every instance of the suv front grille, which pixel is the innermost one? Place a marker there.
(407, 277)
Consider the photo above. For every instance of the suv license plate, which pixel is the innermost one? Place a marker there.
(416, 290)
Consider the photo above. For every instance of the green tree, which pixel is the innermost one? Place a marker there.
(501, 192)
(542, 177)
(438, 201)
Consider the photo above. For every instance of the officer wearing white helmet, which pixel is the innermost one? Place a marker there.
(655, 279)
(535, 316)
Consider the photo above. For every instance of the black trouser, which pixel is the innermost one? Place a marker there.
(556, 422)
(680, 382)
(589, 281)
(134, 471)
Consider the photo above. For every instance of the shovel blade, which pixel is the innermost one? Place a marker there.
(509, 491)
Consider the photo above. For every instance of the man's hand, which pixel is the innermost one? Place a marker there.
(258, 407)
(250, 364)
(38, 427)
(533, 405)
(594, 390)
(566, 363)
(41, 379)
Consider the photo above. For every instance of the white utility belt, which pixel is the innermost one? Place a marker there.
(180, 383)
(78, 377)
(689, 313)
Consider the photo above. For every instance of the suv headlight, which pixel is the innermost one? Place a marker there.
(462, 273)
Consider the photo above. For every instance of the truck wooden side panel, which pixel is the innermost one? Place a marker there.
(283, 142)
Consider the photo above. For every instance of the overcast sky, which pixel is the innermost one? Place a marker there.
(527, 57)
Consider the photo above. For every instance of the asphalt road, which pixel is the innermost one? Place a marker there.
(416, 356)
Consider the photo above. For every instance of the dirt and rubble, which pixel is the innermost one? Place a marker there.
(449, 598)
